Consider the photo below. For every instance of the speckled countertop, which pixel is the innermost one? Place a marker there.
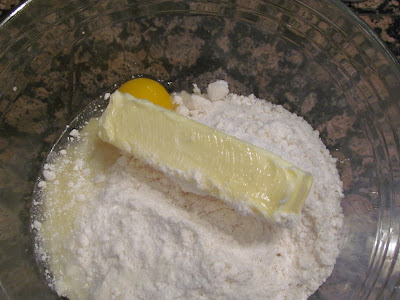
(58, 79)
(382, 15)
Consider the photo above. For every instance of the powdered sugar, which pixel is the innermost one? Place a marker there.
(49, 175)
(217, 90)
(131, 232)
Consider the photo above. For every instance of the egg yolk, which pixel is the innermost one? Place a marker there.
(145, 88)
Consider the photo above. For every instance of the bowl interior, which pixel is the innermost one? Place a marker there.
(331, 71)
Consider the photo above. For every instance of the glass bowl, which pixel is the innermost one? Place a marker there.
(314, 57)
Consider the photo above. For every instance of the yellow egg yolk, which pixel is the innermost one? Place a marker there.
(145, 88)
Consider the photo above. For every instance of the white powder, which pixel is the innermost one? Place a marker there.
(217, 90)
(74, 133)
(41, 184)
(137, 235)
(49, 175)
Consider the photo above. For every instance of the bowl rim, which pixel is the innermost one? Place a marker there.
(339, 4)
(367, 31)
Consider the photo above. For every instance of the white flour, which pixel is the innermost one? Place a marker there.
(137, 235)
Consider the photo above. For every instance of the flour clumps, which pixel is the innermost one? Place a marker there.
(217, 90)
(129, 232)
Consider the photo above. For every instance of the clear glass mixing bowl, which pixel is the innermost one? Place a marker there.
(312, 56)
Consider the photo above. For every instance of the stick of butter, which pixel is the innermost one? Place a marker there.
(249, 178)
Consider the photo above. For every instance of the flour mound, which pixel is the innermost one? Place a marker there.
(140, 236)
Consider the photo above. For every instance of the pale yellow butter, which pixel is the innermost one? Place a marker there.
(249, 178)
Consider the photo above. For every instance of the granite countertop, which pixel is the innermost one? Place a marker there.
(382, 15)
(45, 102)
